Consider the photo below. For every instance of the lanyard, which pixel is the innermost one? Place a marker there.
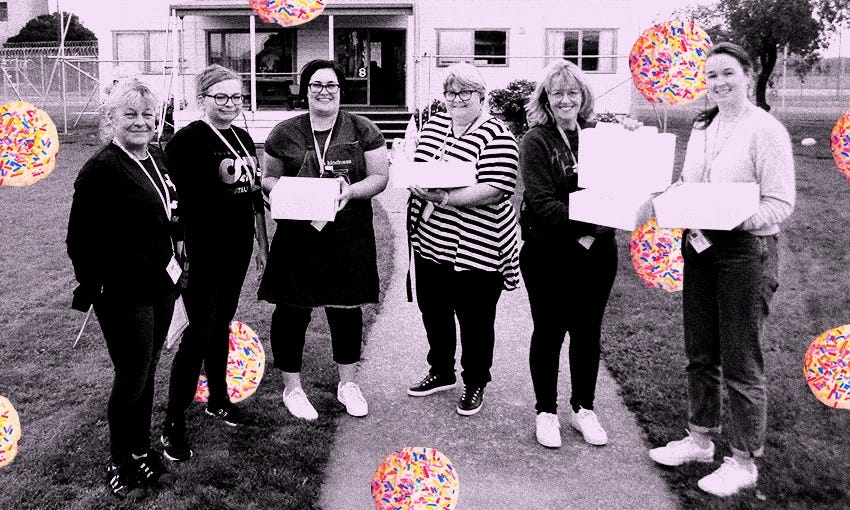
(230, 147)
(321, 155)
(718, 145)
(165, 199)
(442, 152)
(567, 141)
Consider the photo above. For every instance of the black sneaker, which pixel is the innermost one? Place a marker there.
(174, 443)
(471, 401)
(123, 482)
(431, 384)
(151, 472)
(228, 412)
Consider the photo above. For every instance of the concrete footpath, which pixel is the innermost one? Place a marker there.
(499, 463)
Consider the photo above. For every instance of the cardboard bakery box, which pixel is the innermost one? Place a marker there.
(432, 174)
(623, 210)
(713, 206)
(305, 198)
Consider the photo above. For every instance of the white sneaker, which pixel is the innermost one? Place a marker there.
(297, 403)
(729, 478)
(586, 422)
(349, 395)
(548, 430)
(676, 453)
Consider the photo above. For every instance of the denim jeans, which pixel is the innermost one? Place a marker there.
(443, 294)
(726, 298)
(568, 289)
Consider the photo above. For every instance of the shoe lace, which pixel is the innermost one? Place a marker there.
(728, 470)
(471, 393)
(351, 391)
(551, 420)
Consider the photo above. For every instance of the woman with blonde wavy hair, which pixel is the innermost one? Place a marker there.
(122, 240)
(568, 266)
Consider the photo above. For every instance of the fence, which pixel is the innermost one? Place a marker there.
(65, 84)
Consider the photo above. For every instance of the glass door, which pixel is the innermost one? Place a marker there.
(373, 61)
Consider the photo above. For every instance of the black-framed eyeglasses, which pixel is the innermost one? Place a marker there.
(316, 87)
(464, 95)
(221, 99)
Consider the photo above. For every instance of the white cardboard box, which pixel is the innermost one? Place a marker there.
(615, 159)
(715, 206)
(304, 198)
(623, 210)
(432, 174)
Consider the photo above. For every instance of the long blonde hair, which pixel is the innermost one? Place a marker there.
(537, 108)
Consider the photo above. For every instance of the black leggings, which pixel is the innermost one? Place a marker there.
(134, 336)
(568, 290)
(289, 328)
(211, 298)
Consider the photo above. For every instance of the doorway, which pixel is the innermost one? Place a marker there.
(374, 64)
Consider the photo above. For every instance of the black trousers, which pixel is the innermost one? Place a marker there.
(568, 288)
(443, 294)
(289, 329)
(134, 337)
(211, 299)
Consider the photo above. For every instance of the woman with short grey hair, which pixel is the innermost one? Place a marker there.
(464, 239)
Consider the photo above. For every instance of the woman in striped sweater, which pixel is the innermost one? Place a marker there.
(464, 239)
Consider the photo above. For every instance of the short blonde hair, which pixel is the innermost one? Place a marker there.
(537, 108)
(467, 77)
(122, 93)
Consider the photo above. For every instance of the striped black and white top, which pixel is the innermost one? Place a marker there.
(482, 238)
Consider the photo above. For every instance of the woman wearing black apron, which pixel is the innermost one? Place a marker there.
(331, 265)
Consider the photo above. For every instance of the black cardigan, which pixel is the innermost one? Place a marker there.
(544, 163)
(119, 237)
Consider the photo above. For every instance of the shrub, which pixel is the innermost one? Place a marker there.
(510, 102)
(436, 106)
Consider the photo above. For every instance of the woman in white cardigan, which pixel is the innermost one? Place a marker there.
(731, 276)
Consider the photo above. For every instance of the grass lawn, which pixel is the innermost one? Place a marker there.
(61, 393)
(807, 452)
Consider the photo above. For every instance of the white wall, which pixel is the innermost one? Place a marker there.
(526, 39)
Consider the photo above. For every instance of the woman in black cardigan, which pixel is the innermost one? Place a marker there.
(121, 241)
(568, 266)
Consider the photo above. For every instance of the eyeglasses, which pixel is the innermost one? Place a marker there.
(559, 94)
(317, 88)
(464, 95)
(221, 99)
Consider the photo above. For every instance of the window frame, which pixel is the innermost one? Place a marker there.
(209, 33)
(581, 31)
(475, 61)
(4, 12)
(147, 65)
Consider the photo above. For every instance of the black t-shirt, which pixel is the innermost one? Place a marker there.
(218, 192)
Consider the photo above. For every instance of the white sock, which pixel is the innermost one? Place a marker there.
(702, 439)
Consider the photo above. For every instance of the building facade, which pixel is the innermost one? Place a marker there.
(394, 52)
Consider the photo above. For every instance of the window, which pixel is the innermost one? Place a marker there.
(480, 47)
(274, 54)
(593, 50)
(142, 52)
(274, 51)
(4, 11)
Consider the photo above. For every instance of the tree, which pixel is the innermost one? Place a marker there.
(45, 28)
(764, 27)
